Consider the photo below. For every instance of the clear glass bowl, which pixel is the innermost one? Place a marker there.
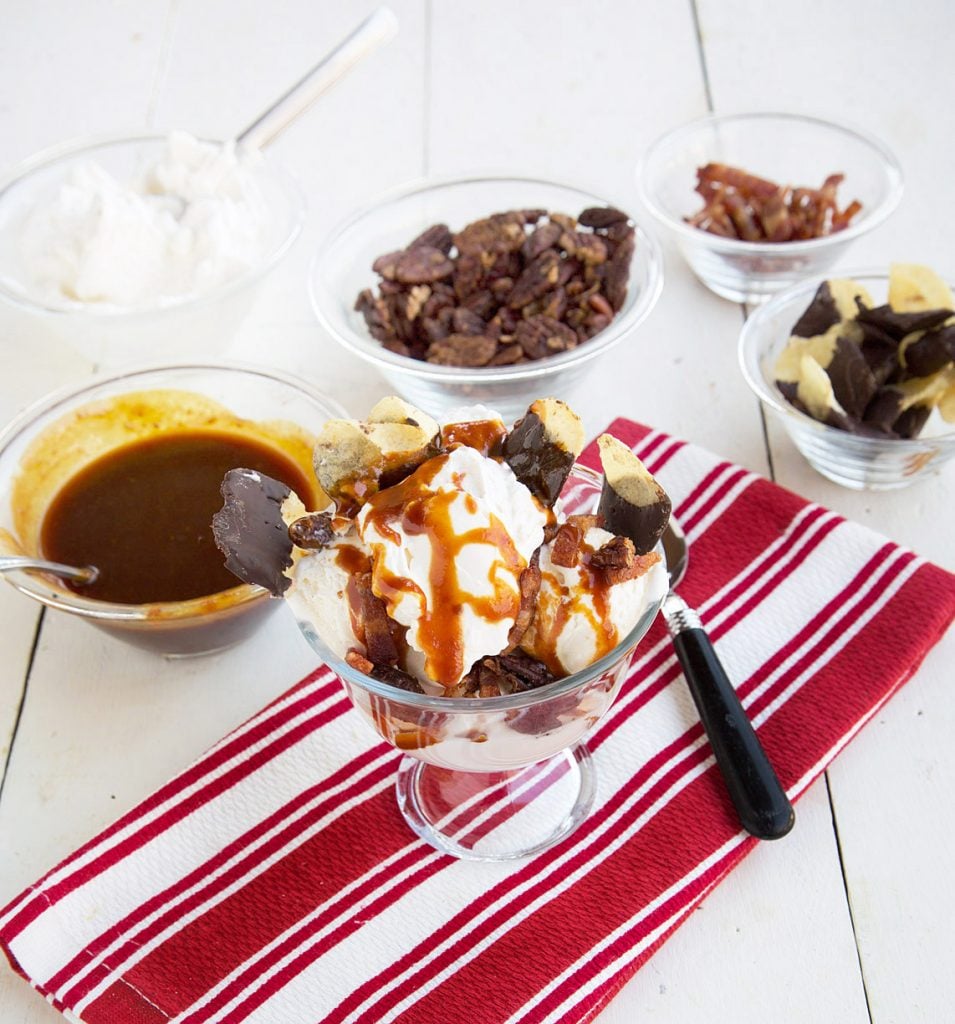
(785, 148)
(501, 777)
(342, 268)
(189, 327)
(868, 463)
(292, 414)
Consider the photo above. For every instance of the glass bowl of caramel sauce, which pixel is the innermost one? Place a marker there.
(123, 473)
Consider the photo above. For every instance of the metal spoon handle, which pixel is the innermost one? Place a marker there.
(20, 563)
(762, 805)
(378, 28)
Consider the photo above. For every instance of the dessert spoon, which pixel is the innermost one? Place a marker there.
(762, 805)
(22, 563)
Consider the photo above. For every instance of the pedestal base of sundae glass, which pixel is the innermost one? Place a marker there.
(501, 815)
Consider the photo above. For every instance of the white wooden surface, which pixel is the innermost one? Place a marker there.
(852, 918)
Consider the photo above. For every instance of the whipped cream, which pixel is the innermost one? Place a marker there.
(186, 225)
(449, 544)
(578, 618)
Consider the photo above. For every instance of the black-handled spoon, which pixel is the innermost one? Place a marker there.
(762, 805)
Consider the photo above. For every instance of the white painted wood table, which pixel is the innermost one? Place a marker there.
(850, 919)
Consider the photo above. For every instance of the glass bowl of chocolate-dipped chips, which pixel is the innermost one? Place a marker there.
(492, 289)
(860, 369)
(479, 594)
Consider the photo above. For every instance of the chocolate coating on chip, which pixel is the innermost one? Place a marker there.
(540, 465)
(819, 315)
(250, 531)
(632, 503)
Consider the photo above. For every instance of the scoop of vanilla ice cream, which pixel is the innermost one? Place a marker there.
(448, 545)
(319, 593)
(193, 221)
(578, 618)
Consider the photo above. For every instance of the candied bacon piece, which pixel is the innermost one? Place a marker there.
(529, 585)
(737, 204)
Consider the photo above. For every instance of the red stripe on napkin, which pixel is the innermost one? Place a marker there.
(276, 873)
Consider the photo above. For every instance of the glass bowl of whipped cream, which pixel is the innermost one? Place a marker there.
(142, 246)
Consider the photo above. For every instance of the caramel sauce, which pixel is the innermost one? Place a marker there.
(142, 514)
(486, 436)
(550, 622)
(420, 511)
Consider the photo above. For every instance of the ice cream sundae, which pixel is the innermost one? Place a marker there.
(456, 561)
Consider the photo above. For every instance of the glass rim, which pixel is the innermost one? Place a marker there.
(750, 352)
(37, 586)
(890, 165)
(439, 703)
(370, 350)
(75, 147)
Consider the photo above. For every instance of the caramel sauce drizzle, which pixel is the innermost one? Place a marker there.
(420, 511)
(486, 436)
(573, 604)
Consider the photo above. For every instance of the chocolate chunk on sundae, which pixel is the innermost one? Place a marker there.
(250, 529)
(632, 503)
(543, 446)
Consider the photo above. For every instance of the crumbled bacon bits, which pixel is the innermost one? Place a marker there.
(737, 204)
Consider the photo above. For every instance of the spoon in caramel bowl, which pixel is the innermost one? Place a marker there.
(22, 563)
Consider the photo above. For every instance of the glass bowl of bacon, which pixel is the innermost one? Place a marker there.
(756, 202)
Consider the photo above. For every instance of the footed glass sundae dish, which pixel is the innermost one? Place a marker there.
(478, 593)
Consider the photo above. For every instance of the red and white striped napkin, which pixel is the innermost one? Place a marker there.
(274, 881)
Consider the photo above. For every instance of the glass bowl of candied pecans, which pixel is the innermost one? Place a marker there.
(755, 202)
(488, 290)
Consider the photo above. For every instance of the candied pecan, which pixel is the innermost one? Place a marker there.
(387, 265)
(483, 303)
(563, 220)
(618, 273)
(434, 330)
(618, 553)
(620, 232)
(542, 336)
(544, 236)
(565, 549)
(438, 236)
(540, 275)
(501, 232)
(422, 265)
(359, 662)
(592, 325)
(600, 305)
(503, 674)
(600, 216)
(507, 355)
(312, 532)
(554, 304)
(620, 563)
(417, 298)
(529, 585)
(466, 322)
(468, 276)
(462, 350)
(396, 677)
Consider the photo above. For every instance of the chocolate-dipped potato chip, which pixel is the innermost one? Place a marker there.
(543, 446)
(632, 503)
(251, 528)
